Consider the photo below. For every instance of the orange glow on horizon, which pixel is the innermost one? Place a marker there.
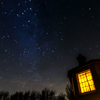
(85, 81)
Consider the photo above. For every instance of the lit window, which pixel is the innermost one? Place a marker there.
(85, 81)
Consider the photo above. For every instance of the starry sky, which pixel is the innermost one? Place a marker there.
(40, 40)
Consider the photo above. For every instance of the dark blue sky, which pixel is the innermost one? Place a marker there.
(40, 40)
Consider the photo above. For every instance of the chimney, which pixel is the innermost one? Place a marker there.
(81, 59)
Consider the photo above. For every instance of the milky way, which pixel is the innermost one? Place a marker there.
(40, 40)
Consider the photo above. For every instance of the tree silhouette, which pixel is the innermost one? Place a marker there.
(1, 95)
(11, 97)
(26, 95)
(21, 96)
(15, 96)
(47, 94)
(43, 94)
(4, 95)
(38, 96)
(69, 91)
(33, 95)
(61, 97)
(52, 95)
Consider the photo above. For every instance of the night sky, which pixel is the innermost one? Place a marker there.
(40, 40)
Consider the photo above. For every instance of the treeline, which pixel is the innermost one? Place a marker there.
(45, 94)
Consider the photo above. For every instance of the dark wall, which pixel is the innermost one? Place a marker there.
(94, 95)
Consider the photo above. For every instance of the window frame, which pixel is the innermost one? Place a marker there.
(79, 88)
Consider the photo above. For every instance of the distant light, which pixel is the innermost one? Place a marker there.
(89, 8)
(22, 13)
(18, 4)
(30, 8)
(52, 51)
(18, 15)
(85, 81)
(61, 39)
(3, 36)
(2, 3)
(25, 1)
(6, 50)
(24, 10)
(29, 21)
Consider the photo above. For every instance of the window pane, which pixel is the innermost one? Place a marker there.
(85, 81)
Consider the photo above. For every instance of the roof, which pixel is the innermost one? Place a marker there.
(84, 65)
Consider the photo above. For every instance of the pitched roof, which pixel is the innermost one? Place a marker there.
(84, 65)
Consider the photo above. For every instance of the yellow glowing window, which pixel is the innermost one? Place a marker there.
(85, 81)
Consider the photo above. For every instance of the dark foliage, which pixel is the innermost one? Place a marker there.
(4, 95)
(45, 94)
(69, 92)
(26, 95)
(61, 97)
